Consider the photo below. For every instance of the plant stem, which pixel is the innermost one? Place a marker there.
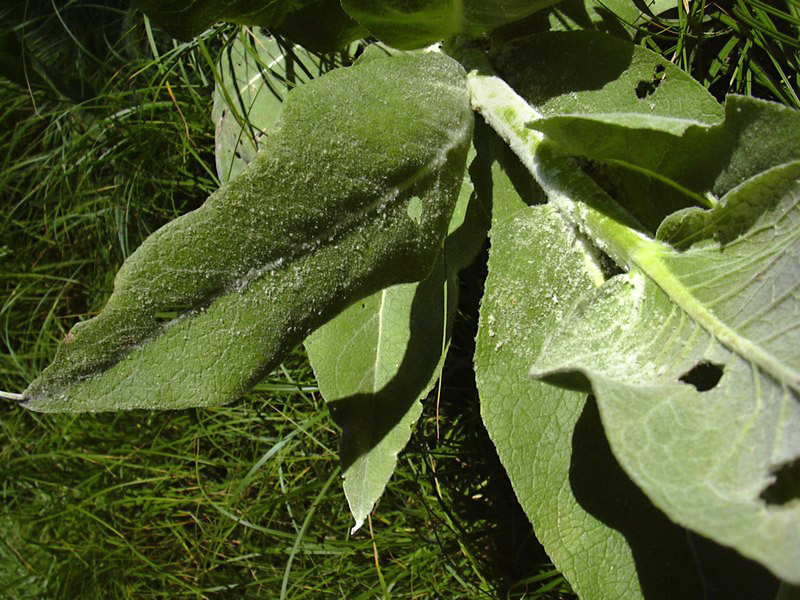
(598, 216)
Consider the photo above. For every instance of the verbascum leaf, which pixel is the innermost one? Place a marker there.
(754, 136)
(335, 207)
(597, 527)
(630, 83)
(620, 18)
(319, 25)
(639, 111)
(381, 356)
(409, 25)
(694, 357)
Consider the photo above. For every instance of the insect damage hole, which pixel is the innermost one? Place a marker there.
(647, 87)
(704, 376)
(786, 486)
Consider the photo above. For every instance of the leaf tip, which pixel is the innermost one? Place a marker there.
(357, 526)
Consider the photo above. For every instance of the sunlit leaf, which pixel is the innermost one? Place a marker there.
(694, 358)
(334, 207)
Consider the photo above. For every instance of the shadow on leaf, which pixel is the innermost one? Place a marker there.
(671, 562)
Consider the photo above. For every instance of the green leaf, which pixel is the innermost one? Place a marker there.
(374, 363)
(694, 359)
(319, 25)
(674, 133)
(377, 360)
(594, 523)
(257, 72)
(409, 25)
(631, 84)
(213, 300)
(632, 107)
(756, 135)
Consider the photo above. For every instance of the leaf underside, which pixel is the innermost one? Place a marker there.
(703, 411)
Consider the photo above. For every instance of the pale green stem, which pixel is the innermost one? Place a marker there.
(602, 219)
(592, 210)
(500, 106)
(12, 396)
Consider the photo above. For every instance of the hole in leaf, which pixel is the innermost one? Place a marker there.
(786, 486)
(644, 89)
(647, 87)
(703, 376)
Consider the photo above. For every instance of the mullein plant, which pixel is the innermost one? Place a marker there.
(637, 349)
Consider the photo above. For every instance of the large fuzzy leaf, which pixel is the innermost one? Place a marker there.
(409, 25)
(610, 229)
(638, 110)
(316, 24)
(700, 157)
(629, 81)
(632, 107)
(334, 208)
(694, 357)
(598, 528)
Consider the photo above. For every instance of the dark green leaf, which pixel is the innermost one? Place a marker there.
(415, 24)
(319, 25)
(335, 207)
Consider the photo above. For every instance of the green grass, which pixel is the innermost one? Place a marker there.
(749, 47)
(105, 134)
